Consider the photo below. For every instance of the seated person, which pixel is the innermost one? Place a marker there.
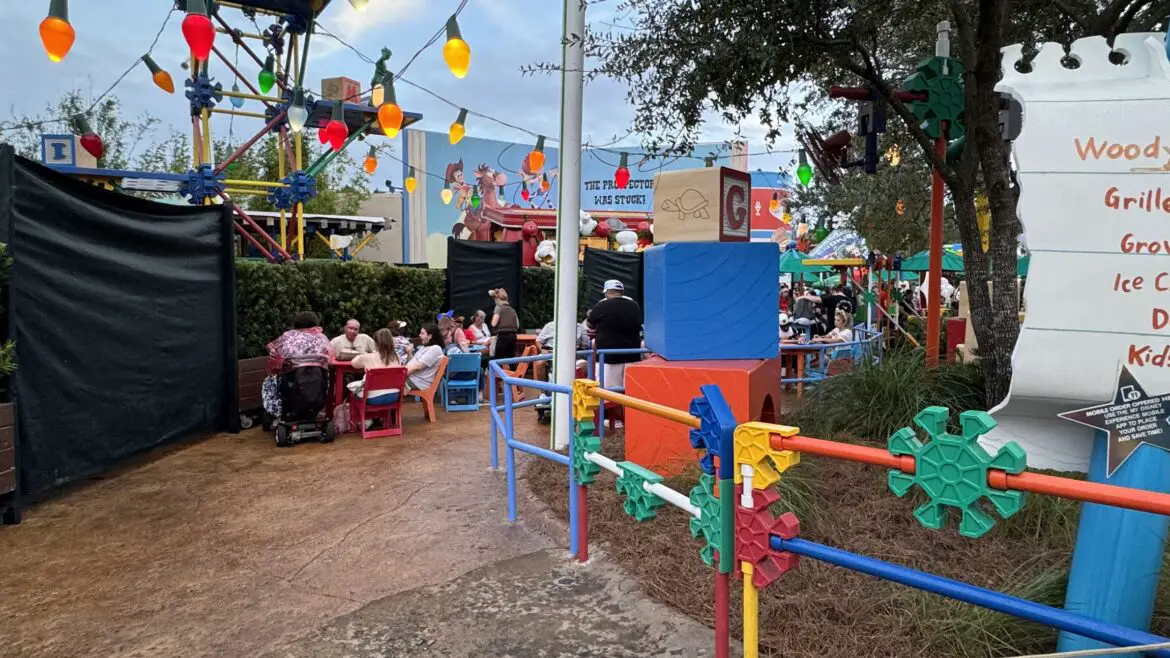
(385, 356)
(841, 333)
(786, 330)
(424, 364)
(451, 329)
(303, 345)
(402, 344)
(352, 342)
(480, 334)
(545, 343)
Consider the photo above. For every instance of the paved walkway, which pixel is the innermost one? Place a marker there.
(388, 547)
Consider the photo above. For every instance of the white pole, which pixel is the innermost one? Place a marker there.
(569, 215)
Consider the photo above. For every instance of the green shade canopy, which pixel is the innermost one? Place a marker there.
(887, 275)
(1022, 265)
(920, 262)
(792, 262)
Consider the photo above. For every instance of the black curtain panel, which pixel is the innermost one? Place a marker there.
(124, 318)
(602, 265)
(474, 267)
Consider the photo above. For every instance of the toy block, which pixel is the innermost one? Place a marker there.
(702, 205)
(711, 300)
(751, 388)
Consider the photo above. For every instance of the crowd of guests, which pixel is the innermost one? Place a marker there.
(809, 316)
(614, 322)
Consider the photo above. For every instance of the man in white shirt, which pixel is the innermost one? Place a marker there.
(352, 343)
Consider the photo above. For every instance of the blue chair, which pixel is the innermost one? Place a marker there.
(461, 387)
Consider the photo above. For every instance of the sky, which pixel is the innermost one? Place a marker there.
(504, 35)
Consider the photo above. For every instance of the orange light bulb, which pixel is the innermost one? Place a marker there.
(390, 118)
(164, 81)
(58, 36)
(371, 164)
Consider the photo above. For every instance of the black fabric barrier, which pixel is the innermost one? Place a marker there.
(602, 265)
(474, 267)
(124, 320)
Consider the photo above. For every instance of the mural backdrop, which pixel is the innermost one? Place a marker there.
(487, 173)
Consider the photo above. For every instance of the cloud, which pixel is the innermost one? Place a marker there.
(350, 25)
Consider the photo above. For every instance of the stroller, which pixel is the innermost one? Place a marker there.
(304, 394)
(544, 407)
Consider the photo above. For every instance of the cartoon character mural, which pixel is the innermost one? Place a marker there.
(489, 189)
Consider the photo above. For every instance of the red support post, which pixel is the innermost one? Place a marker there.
(255, 243)
(248, 144)
(934, 286)
(722, 615)
(240, 42)
(256, 227)
(582, 523)
(247, 83)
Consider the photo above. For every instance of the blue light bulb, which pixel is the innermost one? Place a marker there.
(236, 101)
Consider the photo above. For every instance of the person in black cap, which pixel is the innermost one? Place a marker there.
(616, 323)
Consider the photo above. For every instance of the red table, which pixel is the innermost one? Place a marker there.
(340, 370)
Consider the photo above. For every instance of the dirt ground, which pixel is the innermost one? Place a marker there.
(231, 546)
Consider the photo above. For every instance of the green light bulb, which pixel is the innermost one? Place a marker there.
(804, 172)
(475, 199)
(267, 77)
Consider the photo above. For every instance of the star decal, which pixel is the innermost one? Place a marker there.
(1132, 418)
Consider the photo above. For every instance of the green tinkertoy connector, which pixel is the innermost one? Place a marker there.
(640, 504)
(707, 526)
(584, 441)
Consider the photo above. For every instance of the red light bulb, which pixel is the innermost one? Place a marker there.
(323, 134)
(199, 33)
(338, 133)
(93, 145)
(525, 194)
(621, 177)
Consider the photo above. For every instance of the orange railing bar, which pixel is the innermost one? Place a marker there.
(662, 411)
(1052, 485)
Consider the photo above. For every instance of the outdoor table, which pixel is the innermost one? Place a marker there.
(802, 354)
(522, 343)
(340, 370)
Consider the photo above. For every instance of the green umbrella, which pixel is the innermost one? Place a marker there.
(792, 262)
(887, 275)
(920, 262)
(1022, 265)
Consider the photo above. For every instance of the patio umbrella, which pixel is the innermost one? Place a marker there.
(1022, 265)
(920, 262)
(792, 262)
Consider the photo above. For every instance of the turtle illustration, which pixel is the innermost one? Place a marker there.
(691, 204)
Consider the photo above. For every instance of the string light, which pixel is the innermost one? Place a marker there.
(894, 156)
(621, 177)
(267, 76)
(389, 113)
(57, 33)
(377, 95)
(411, 182)
(446, 195)
(336, 131)
(198, 30)
(160, 77)
(544, 184)
(900, 207)
(524, 193)
(536, 157)
(804, 172)
(297, 113)
(475, 200)
(90, 141)
(237, 102)
(456, 52)
(774, 204)
(371, 163)
(360, 5)
(458, 129)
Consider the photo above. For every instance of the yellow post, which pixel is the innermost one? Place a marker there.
(281, 143)
(328, 244)
(751, 614)
(206, 143)
(253, 183)
(362, 245)
(240, 113)
(232, 190)
(300, 207)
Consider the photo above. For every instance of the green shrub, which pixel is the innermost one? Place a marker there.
(268, 296)
(874, 401)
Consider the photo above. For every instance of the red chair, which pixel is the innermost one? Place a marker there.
(380, 379)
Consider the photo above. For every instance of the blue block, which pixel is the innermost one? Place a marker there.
(712, 300)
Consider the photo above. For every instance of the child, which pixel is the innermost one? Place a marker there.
(402, 344)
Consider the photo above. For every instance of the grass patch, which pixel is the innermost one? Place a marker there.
(875, 400)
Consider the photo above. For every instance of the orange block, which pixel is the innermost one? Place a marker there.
(751, 388)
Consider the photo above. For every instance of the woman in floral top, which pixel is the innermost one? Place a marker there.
(303, 345)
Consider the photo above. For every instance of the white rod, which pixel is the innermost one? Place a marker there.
(661, 490)
(748, 473)
(568, 215)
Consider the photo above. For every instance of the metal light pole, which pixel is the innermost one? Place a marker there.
(569, 215)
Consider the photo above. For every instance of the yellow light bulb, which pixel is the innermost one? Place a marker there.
(894, 156)
(377, 96)
(446, 195)
(456, 52)
(410, 184)
(457, 132)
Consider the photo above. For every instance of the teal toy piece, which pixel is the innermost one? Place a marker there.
(952, 470)
(640, 504)
(707, 526)
(584, 441)
(941, 79)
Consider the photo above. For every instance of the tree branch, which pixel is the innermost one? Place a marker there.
(1062, 7)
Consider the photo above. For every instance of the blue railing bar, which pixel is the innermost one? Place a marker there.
(540, 386)
(624, 350)
(539, 452)
(1118, 636)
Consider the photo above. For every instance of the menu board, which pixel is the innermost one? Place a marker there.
(1093, 165)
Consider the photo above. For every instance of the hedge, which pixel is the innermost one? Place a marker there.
(268, 296)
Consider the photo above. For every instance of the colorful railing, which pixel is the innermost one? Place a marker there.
(741, 463)
(867, 348)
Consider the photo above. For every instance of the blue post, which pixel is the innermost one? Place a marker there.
(510, 454)
(1118, 554)
(573, 511)
(601, 403)
(492, 417)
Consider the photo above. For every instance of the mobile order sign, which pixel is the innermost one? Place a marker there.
(1093, 165)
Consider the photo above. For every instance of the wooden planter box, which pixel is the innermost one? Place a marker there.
(252, 373)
